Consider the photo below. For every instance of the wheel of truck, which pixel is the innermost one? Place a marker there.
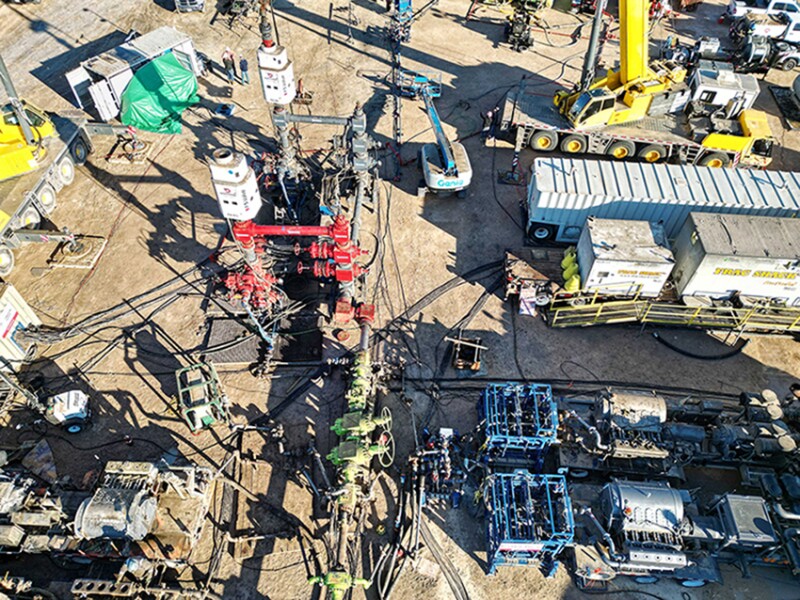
(544, 141)
(28, 219)
(79, 151)
(789, 64)
(715, 160)
(541, 233)
(66, 170)
(621, 150)
(652, 153)
(6, 260)
(73, 426)
(574, 144)
(47, 195)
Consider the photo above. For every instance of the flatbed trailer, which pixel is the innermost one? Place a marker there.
(26, 199)
(531, 119)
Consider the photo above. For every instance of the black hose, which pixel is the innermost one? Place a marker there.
(689, 354)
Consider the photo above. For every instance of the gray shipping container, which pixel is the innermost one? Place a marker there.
(563, 192)
(717, 256)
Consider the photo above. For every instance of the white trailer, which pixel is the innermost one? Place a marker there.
(100, 81)
(564, 192)
(753, 258)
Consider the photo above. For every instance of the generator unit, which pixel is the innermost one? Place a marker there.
(616, 257)
(16, 316)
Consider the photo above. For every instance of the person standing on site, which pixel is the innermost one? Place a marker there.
(243, 66)
(229, 63)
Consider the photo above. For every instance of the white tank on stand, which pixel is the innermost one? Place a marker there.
(235, 185)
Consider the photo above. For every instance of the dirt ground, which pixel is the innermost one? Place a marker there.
(161, 219)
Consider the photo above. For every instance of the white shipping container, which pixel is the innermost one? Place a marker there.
(624, 258)
(563, 192)
(717, 256)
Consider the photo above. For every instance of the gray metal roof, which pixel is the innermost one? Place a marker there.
(668, 183)
(621, 240)
(716, 74)
(747, 235)
(135, 52)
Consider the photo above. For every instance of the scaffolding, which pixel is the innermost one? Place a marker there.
(520, 423)
(529, 520)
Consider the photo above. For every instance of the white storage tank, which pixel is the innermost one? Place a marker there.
(563, 192)
(623, 258)
(277, 74)
(717, 256)
(235, 185)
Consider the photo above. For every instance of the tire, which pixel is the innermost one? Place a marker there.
(6, 260)
(73, 426)
(544, 141)
(30, 218)
(621, 150)
(574, 144)
(66, 171)
(541, 233)
(461, 194)
(47, 196)
(422, 189)
(79, 151)
(652, 153)
(789, 64)
(715, 160)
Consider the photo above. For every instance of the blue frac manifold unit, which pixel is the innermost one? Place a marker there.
(520, 422)
(529, 520)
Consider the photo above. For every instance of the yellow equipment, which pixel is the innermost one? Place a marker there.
(626, 95)
(24, 130)
(753, 142)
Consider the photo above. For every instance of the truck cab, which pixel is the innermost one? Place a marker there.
(750, 136)
(16, 157)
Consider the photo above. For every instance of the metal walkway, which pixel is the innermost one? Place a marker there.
(764, 319)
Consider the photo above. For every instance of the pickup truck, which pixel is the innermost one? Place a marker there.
(739, 8)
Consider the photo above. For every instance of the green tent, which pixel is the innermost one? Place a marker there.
(158, 94)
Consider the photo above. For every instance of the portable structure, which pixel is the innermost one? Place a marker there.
(520, 424)
(529, 520)
(100, 81)
(563, 192)
(721, 256)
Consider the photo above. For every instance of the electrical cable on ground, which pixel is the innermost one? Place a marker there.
(737, 350)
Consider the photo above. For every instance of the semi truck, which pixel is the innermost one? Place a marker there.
(563, 192)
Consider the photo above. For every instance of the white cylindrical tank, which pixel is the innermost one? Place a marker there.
(235, 185)
(277, 74)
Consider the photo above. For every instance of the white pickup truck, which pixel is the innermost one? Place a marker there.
(739, 8)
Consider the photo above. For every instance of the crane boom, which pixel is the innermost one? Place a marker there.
(16, 105)
(445, 149)
(633, 46)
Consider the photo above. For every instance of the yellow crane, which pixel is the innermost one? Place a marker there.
(24, 130)
(627, 94)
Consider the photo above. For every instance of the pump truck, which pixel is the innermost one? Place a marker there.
(445, 165)
(638, 111)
